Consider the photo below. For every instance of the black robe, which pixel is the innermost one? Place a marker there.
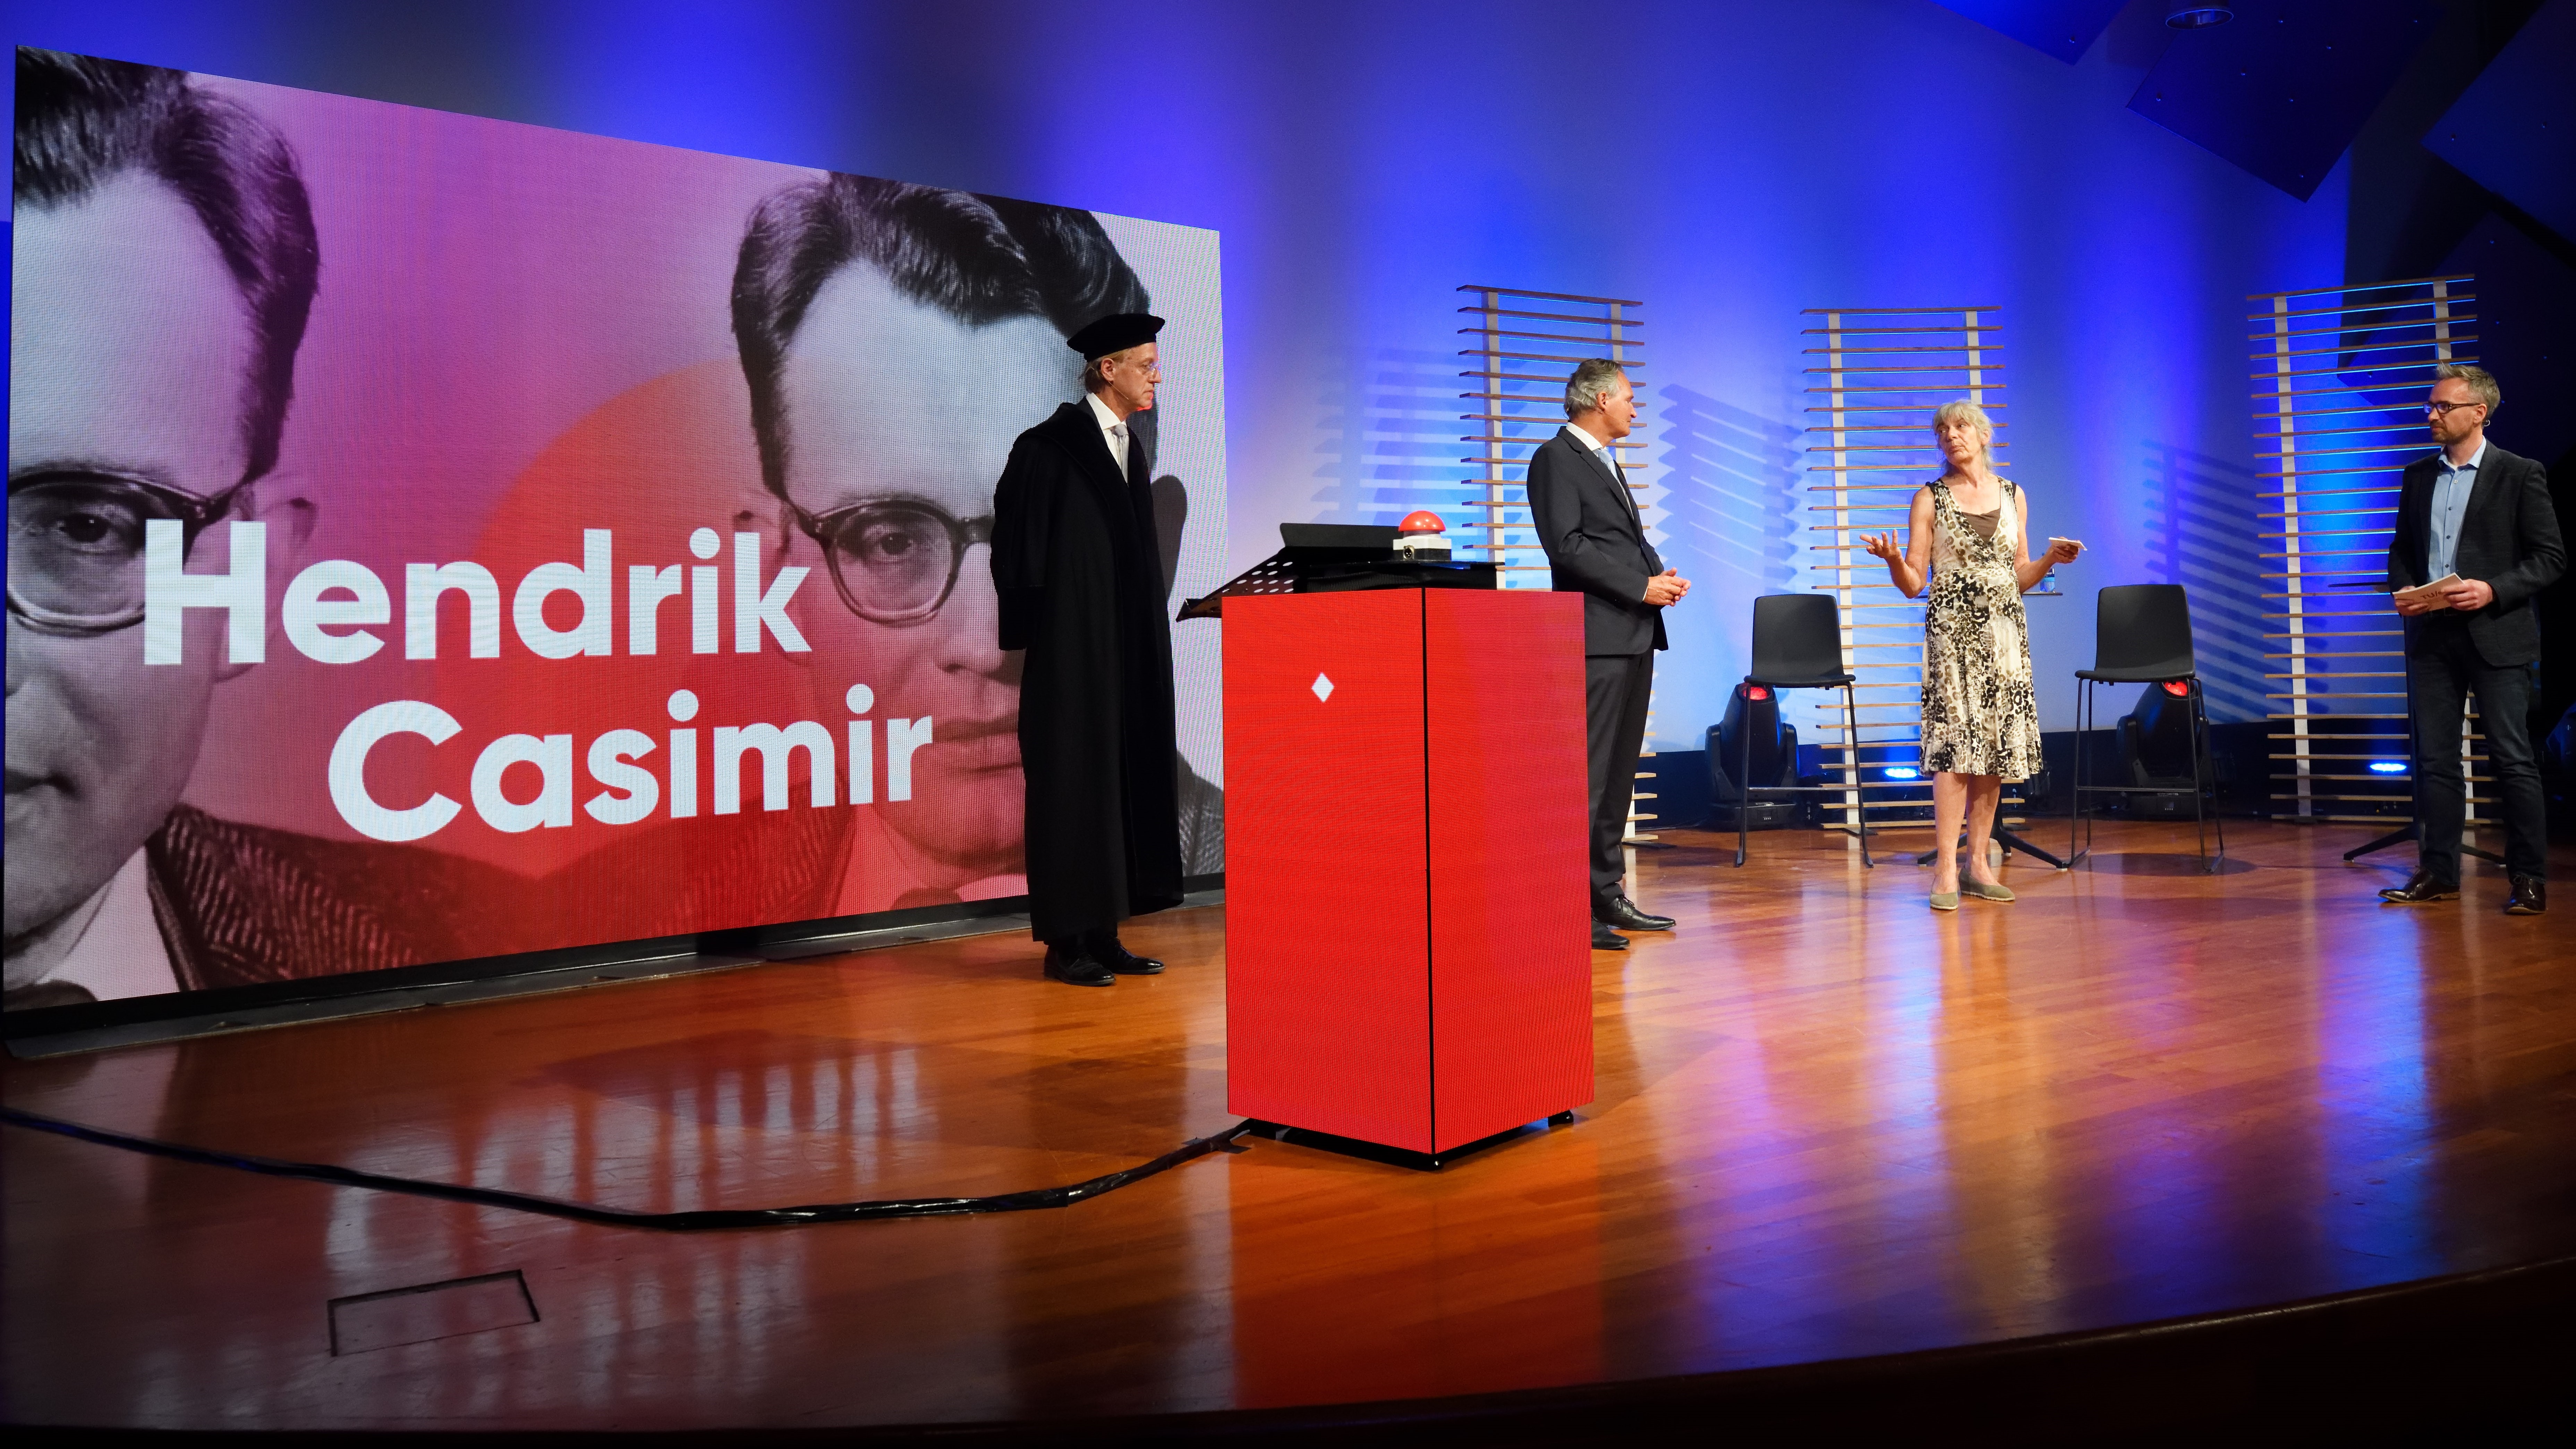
(1080, 581)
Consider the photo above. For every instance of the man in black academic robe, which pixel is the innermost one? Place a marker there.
(1080, 582)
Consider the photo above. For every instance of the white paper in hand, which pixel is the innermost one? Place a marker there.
(2428, 593)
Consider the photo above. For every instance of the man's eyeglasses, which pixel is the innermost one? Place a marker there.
(76, 545)
(894, 560)
(2443, 409)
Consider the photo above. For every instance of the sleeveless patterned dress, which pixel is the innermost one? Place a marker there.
(1979, 714)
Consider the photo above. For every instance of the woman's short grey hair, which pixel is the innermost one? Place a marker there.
(1965, 411)
(2482, 383)
(1591, 379)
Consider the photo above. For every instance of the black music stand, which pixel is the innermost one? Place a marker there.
(2002, 834)
(2413, 829)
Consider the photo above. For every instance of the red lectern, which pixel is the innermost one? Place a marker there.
(1408, 955)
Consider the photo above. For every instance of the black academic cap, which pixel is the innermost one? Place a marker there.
(1114, 334)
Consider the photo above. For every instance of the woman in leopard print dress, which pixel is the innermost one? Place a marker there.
(1970, 535)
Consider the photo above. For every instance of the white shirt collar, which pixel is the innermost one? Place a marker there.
(2474, 460)
(1108, 420)
(119, 952)
(1591, 444)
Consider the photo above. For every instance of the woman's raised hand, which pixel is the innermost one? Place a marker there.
(1882, 546)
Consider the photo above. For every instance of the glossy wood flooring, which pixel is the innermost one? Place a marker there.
(1830, 1123)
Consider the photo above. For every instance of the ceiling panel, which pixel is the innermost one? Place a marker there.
(2063, 28)
(2514, 129)
(2283, 88)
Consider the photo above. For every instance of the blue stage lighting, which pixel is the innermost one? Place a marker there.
(2388, 767)
(1902, 772)
(2199, 17)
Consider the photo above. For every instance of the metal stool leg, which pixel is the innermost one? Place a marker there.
(2075, 783)
(2209, 747)
(2085, 708)
(2199, 734)
(1851, 737)
(1744, 790)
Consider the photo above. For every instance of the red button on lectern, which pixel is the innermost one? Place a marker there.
(1408, 952)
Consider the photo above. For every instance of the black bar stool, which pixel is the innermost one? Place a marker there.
(1798, 644)
(2142, 635)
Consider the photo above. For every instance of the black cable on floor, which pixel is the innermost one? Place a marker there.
(701, 1220)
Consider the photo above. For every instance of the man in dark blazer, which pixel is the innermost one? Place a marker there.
(1596, 546)
(2481, 514)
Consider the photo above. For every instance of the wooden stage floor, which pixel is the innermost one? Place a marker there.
(1830, 1123)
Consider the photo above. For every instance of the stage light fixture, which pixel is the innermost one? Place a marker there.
(1751, 744)
(2198, 17)
(1902, 772)
(2388, 767)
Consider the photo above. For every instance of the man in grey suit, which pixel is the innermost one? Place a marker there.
(1596, 546)
(2481, 514)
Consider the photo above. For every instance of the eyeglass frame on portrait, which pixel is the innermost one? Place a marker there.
(963, 534)
(193, 514)
(2441, 409)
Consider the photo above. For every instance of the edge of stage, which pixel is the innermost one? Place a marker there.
(2471, 1350)
(2091, 1165)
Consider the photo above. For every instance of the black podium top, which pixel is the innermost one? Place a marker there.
(1332, 558)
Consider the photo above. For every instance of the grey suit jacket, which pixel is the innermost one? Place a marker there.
(1596, 545)
(2509, 541)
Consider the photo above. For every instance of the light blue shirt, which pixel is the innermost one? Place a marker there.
(2451, 488)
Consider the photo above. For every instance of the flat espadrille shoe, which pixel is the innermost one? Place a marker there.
(1985, 892)
(1945, 900)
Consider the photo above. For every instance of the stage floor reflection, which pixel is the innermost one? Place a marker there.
(1830, 1123)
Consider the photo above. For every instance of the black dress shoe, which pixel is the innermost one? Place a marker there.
(1075, 966)
(2530, 897)
(1622, 912)
(1605, 939)
(2420, 889)
(1106, 950)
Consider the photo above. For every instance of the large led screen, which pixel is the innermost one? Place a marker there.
(433, 537)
